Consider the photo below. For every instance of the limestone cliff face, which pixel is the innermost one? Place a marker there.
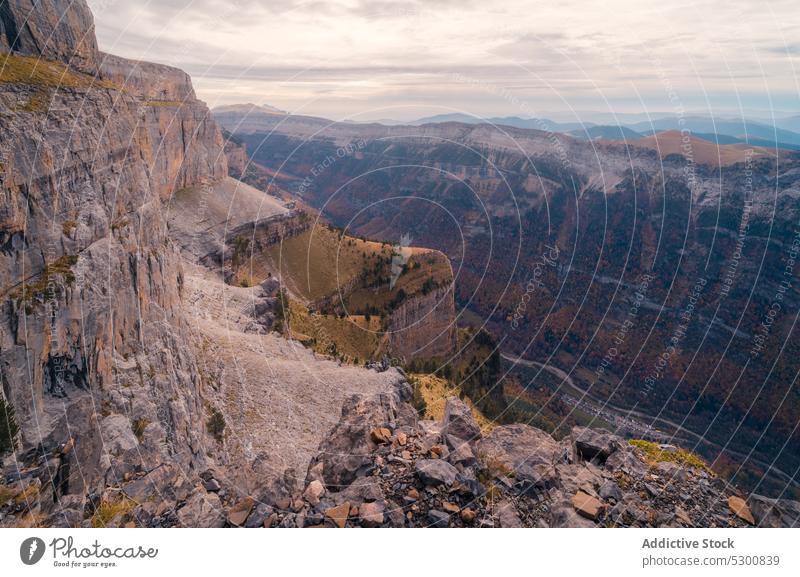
(91, 331)
(57, 29)
(237, 158)
(424, 325)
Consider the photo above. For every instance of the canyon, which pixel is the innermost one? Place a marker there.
(656, 274)
(146, 345)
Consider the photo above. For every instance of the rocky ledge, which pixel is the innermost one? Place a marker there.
(381, 467)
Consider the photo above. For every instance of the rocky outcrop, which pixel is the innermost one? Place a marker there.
(57, 29)
(423, 326)
(153, 83)
(236, 153)
(382, 467)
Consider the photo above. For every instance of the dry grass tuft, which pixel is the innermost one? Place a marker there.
(655, 454)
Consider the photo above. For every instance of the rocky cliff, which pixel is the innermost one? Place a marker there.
(92, 340)
(150, 393)
(57, 29)
(383, 467)
(424, 325)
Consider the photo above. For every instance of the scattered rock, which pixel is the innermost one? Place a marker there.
(592, 444)
(339, 514)
(610, 490)
(314, 492)
(740, 509)
(436, 472)
(202, 510)
(468, 515)
(381, 436)
(371, 514)
(438, 519)
(683, 517)
(587, 506)
(212, 485)
(459, 422)
(507, 516)
(461, 453)
(258, 517)
(240, 512)
(450, 507)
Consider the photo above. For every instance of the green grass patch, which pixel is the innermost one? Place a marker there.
(655, 454)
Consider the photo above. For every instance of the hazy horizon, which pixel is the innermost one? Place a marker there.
(405, 60)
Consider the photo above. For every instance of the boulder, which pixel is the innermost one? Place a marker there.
(202, 510)
(438, 519)
(460, 452)
(594, 445)
(588, 506)
(610, 490)
(740, 509)
(314, 492)
(339, 514)
(509, 447)
(533, 479)
(380, 436)
(239, 513)
(459, 422)
(259, 516)
(775, 512)
(371, 514)
(506, 515)
(436, 472)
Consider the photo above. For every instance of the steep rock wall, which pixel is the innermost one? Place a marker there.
(92, 338)
(423, 326)
(58, 29)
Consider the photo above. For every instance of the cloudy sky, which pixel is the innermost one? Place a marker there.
(387, 59)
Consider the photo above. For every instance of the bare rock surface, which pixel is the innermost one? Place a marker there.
(522, 478)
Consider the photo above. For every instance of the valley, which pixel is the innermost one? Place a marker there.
(248, 318)
(643, 269)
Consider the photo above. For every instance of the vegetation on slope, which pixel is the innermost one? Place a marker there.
(8, 427)
(431, 394)
(43, 77)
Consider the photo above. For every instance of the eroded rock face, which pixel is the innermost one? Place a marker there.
(93, 346)
(58, 29)
(347, 452)
(424, 325)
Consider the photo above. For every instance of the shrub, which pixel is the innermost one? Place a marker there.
(108, 510)
(8, 427)
(138, 427)
(216, 424)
